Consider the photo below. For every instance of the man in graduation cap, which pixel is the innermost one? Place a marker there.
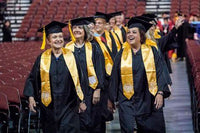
(90, 58)
(55, 81)
(109, 39)
(137, 82)
(119, 28)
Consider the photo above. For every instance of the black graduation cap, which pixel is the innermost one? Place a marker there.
(144, 18)
(139, 23)
(115, 14)
(82, 21)
(102, 15)
(53, 27)
(149, 15)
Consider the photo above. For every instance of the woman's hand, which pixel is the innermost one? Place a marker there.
(111, 106)
(96, 96)
(32, 104)
(82, 107)
(159, 100)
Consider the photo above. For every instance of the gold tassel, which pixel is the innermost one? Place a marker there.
(70, 31)
(44, 39)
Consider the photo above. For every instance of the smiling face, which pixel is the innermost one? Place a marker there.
(100, 25)
(56, 40)
(112, 22)
(133, 36)
(119, 19)
(78, 32)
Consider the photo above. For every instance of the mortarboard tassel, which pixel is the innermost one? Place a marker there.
(70, 31)
(44, 39)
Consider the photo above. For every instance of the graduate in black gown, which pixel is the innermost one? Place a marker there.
(56, 82)
(90, 59)
(165, 43)
(109, 39)
(120, 29)
(137, 82)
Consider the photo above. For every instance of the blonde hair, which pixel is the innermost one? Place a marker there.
(150, 36)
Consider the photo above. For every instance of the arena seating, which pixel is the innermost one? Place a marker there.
(16, 61)
(41, 12)
(193, 67)
(185, 6)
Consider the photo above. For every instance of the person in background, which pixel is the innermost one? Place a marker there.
(120, 29)
(56, 82)
(7, 31)
(109, 39)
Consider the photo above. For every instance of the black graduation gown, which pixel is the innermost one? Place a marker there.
(106, 114)
(141, 106)
(7, 34)
(114, 46)
(123, 34)
(91, 117)
(61, 116)
(182, 34)
(166, 43)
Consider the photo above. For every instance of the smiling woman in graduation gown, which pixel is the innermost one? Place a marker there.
(137, 83)
(89, 57)
(54, 82)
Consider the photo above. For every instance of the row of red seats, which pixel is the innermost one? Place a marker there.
(185, 6)
(193, 65)
(16, 60)
(42, 12)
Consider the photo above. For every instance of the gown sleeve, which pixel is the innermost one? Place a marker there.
(168, 42)
(97, 60)
(162, 84)
(33, 84)
(115, 78)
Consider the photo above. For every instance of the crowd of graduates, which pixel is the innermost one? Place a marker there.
(106, 65)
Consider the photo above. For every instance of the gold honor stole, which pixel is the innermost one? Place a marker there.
(127, 72)
(117, 41)
(118, 31)
(150, 42)
(93, 81)
(156, 35)
(108, 40)
(106, 54)
(44, 74)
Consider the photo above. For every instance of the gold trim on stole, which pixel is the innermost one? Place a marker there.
(118, 31)
(150, 68)
(107, 57)
(108, 40)
(71, 64)
(150, 42)
(126, 70)
(44, 74)
(117, 41)
(45, 79)
(92, 77)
